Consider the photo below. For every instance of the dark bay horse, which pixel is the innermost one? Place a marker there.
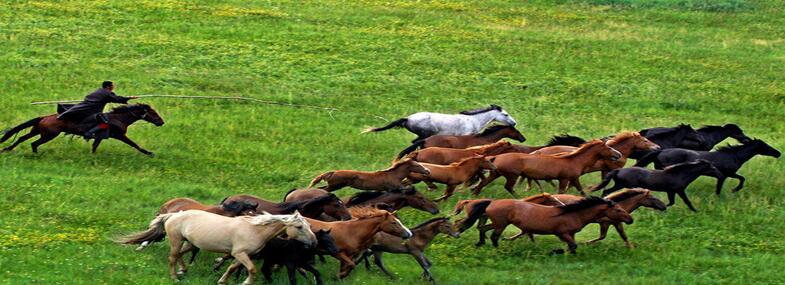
(49, 127)
(311, 208)
(673, 179)
(562, 221)
(728, 159)
(488, 136)
(712, 135)
(396, 200)
(670, 137)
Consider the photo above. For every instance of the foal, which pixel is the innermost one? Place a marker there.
(565, 168)
(384, 180)
(454, 174)
(562, 221)
(294, 254)
(673, 179)
(423, 234)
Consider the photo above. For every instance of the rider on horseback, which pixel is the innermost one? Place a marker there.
(90, 111)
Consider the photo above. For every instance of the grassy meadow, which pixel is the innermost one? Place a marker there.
(588, 68)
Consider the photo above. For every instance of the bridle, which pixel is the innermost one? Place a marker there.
(143, 116)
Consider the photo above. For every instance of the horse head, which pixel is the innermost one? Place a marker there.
(393, 226)
(500, 115)
(326, 241)
(417, 200)
(144, 112)
(651, 201)
(735, 132)
(445, 226)
(762, 148)
(336, 208)
(642, 143)
(299, 229)
(617, 213)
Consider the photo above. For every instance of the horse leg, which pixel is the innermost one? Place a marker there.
(347, 264)
(430, 185)
(318, 276)
(603, 233)
(45, 138)
(683, 196)
(491, 176)
(232, 267)
(377, 259)
(447, 192)
(720, 182)
(608, 191)
(292, 271)
(577, 184)
(509, 185)
(21, 140)
(563, 184)
(482, 231)
(497, 232)
(426, 266)
(246, 261)
(741, 181)
(267, 271)
(571, 245)
(175, 243)
(96, 143)
(128, 141)
(187, 247)
(620, 229)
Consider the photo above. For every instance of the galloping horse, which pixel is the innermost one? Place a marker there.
(453, 174)
(396, 199)
(425, 124)
(565, 168)
(49, 127)
(562, 221)
(678, 136)
(238, 236)
(444, 156)
(312, 208)
(356, 236)
(384, 180)
(488, 136)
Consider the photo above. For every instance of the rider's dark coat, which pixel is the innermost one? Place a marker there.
(93, 103)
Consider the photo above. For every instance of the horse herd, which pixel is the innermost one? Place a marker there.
(463, 149)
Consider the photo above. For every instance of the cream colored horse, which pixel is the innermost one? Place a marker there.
(238, 236)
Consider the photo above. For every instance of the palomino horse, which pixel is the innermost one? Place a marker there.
(565, 168)
(356, 236)
(444, 156)
(726, 159)
(312, 208)
(488, 136)
(238, 236)
(383, 180)
(625, 143)
(230, 209)
(49, 127)
(422, 235)
(673, 179)
(454, 174)
(425, 124)
(562, 221)
(629, 200)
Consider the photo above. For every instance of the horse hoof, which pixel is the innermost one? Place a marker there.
(557, 252)
(150, 154)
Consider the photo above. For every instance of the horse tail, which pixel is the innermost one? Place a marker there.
(566, 139)
(477, 211)
(605, 180)
(417, 144)
(321, 177)
(395, 124)
(154, 233)
(12, 131)
(647, 158)
(462, 204)
(287, 194)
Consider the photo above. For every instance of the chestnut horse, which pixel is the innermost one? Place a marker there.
(238, 236)
(565, 168)
(444, 156)
(625, 143)
(629, 200)
(311, 208)
(120, 118)
(562, 221)
(454, 174)
(383, 180)
(488, 136)
(356, 236)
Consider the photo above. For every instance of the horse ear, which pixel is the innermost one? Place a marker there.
(492, 158)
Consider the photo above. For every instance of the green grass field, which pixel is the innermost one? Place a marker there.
(588, 68)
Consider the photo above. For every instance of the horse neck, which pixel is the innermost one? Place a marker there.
(586, 157)
(123, 118)
(311, 210)
(624, 147)
(744, 154)
(632, 203)
(712, 138)
(399, 172)
(218, 210)
(588, 215)
(425, 234)
(364, 229)
(483, 118)
(495, 136)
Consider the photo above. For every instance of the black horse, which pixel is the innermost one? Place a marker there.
(727, 159)
(673, 179)
(670, 137)
(712, 135)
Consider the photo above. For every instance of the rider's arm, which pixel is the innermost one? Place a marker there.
(114, 98)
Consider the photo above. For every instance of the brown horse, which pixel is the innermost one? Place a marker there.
(395, 199)
(423, 234)
(562, 221)
(629, 200)
(490, 135)
(565, 168)
(356, 236)
(625, 143)
(383, 180)
(312, 208)
(454, 174)
(444, 156)
(49, 127)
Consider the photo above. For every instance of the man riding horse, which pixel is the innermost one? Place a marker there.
(90, 111)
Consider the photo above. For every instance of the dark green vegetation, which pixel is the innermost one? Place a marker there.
(589, 68)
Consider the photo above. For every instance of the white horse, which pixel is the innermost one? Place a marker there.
(239, 236)
(425, 124)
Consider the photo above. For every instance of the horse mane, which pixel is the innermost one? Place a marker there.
(583, 148)
(428, 222)
(584, 203)
(530, 198)
(711, 128)
(622, 136)
(398, 163)
(294, 205)
(490, 130)
(128, 108)
(624, 195)
(735, 148)
(565, 139)
(671, 130)
(366, 212)
(464, 160)
(267, 218)
(481, 110)
(364, 196)
(498, 143)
